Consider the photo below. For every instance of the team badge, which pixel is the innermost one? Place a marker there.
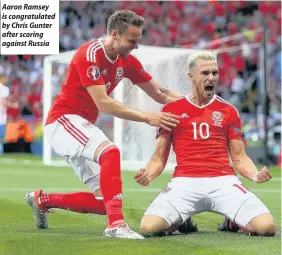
(87, 124)
(93, 72)
(119, 73)
(217, 116)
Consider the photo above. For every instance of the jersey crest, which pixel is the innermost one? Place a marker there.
(119, 73)
(217, 116)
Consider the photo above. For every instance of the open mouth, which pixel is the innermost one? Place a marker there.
(209, 88)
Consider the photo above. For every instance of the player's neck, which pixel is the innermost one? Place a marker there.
(109, 48)
(197, 99)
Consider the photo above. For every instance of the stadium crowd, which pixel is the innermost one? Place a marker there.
(167, 24)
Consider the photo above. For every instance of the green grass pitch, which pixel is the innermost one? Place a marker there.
(80, 234)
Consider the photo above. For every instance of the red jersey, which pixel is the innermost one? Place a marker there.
(90, 66)
(200, 141)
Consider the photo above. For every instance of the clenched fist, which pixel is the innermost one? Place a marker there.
(142, 177)
(263, 175)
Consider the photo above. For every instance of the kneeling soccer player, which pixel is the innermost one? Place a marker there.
(203, 179)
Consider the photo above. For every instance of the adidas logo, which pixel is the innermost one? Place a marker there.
(184, 115)
(111, 232)
(118, 197)
(104, 72)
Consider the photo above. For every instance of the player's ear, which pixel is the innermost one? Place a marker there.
(190, 75)
(115, 34)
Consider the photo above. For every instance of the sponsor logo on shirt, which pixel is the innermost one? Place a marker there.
(119, 73)
(93, 72)
(104, 72)
(184, 115)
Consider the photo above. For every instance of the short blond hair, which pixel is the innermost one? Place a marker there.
(204, 55)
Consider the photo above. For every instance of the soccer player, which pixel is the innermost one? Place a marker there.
(4, 104)
(203, 179)
(94, 71)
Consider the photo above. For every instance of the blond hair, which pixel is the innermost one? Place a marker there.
(204, 55)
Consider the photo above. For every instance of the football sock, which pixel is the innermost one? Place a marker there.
(81, 202)
(111, 185)
(234, 225)
(244, 229)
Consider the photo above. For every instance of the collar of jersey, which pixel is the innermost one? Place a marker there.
(107, 57)
(188, 99)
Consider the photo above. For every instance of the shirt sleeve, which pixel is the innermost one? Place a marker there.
(135, 72)
(235, 129)
(88, 71)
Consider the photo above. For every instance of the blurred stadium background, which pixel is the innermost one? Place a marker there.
(250, 78)
(233, 28)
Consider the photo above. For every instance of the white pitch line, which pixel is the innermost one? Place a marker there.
(125, 190)
(73, 189)
(25, 162)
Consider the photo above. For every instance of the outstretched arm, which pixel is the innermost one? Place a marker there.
(157, 162)
(158, 93)
(108, 105)
(245, 165)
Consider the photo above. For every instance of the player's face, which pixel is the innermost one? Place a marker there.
(204, 76)
(128, 41)
(4, 79)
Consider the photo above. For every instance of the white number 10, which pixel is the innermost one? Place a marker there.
(204, 132)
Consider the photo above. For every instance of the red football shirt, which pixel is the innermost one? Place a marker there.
(90, 66)
(200, 141)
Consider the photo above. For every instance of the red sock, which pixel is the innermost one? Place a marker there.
(81, 202)
(244, 229)
(233, 225)
(110, 182)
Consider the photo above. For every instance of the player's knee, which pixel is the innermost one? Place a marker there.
(107, 148)
(266, 229)
(262, 225)
(153, 224)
